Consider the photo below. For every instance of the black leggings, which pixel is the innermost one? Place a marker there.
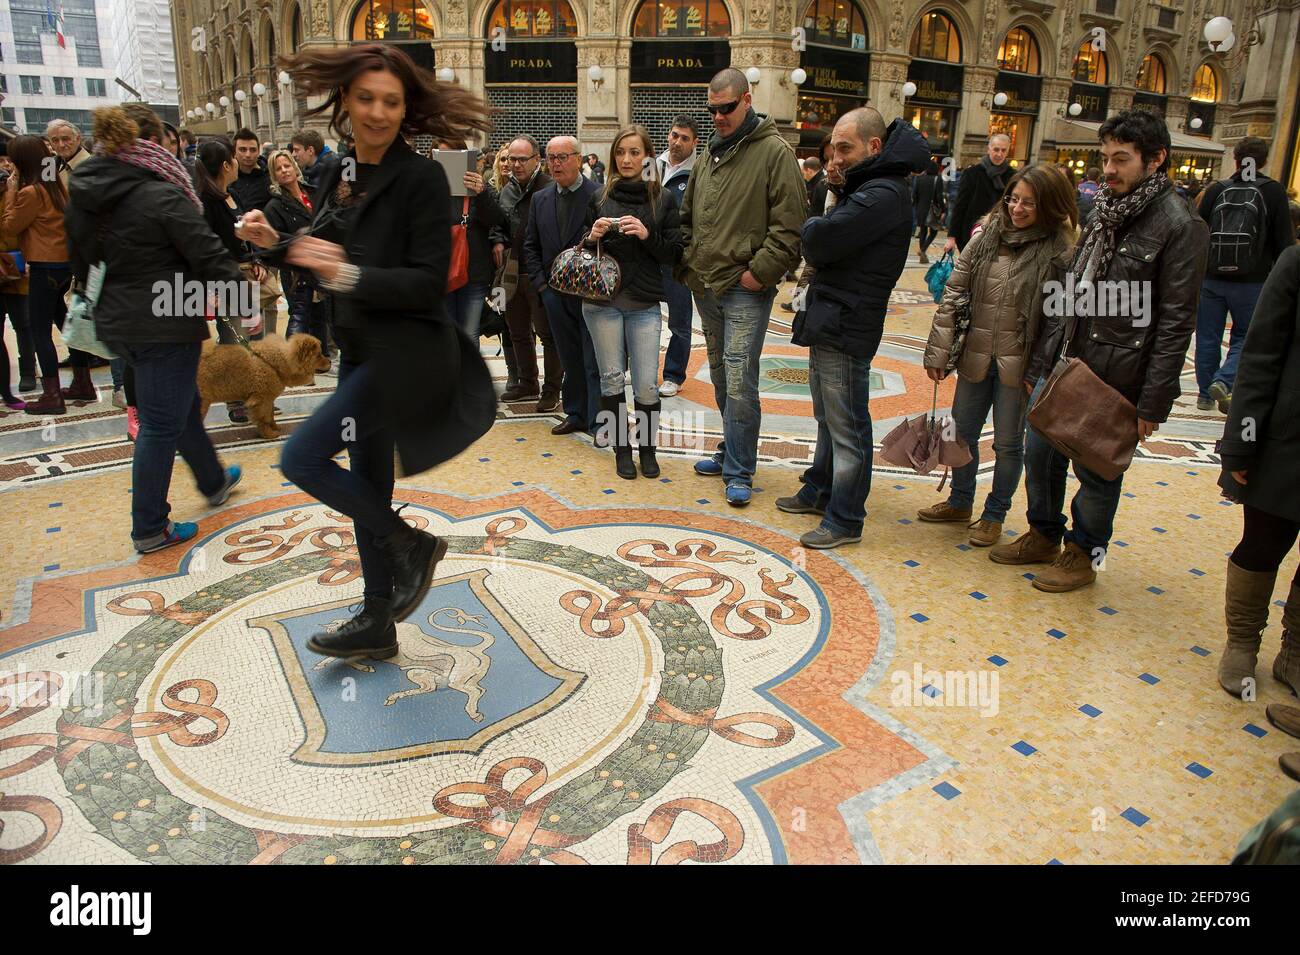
(1265, 542)
(927, 235)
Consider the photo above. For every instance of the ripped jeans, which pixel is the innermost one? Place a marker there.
(625, 339)
(735, 326)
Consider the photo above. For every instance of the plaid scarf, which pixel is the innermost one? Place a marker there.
(147, 154)
(1097, 244)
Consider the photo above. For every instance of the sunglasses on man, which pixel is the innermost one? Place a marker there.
(722, 109)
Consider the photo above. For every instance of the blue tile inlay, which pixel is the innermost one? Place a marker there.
(665, 480)
(702, 500)
(484, 460)
(1024, 749)
(1196, 769)
(608, 490)
(52, 530)
(547, 454)
(947, 790)
(1120, 543)
(1089, 710)
(920, 617)
(1029, 576)
(998, 661)
(1056, 633)
(516, 483)
(1160, 530)
(1154, 590)
(1055, 862)
(50, 567)
(1108, 611)
(1132, 815)
(979, 596)
(57, 504)
(911, 563)
(1254, 730)
(1201, 651)
(1195, 517)
(1196, 573)
(904, 520)
(1129, 494)
(1148, 679)
(931, 691)
(963, 546)
(575, 471)
(1162, 483)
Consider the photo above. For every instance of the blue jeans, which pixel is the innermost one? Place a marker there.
(308, 317)
(48, 281)
(167, 400)
(611, 328)
(350, 418)
(735, 327)
(581, 392)
(1218, 298)
(840, 477)
(465, 307)
(678, 297)
(1092, 511)
(970, 409)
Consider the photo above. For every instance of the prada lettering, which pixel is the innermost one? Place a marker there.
(680, 61)
(539, 63)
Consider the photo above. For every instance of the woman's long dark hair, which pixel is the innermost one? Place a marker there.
(1057, 208)
(29, 155)
(444, 111)
(211, 156)
(612, 177)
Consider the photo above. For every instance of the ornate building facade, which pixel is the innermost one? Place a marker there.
(1044, 71)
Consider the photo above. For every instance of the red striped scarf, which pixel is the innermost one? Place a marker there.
(147, 154)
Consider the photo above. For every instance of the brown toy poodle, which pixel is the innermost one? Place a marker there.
(257, 377)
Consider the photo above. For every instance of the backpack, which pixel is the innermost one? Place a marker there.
(1237, 229)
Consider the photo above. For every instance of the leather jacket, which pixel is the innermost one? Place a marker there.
(1141, 355)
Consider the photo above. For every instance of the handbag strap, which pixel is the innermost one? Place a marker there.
(464, 213)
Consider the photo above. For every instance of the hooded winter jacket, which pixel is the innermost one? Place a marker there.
(742, 210)
(859, 248)
(153, 233)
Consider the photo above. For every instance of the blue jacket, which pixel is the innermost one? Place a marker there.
(675, 185)
(543, 241)
(860, 248)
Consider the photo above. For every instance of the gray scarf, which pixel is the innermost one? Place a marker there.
(995, 173)
(720, 144)
(1034, 249)
(1110, 213)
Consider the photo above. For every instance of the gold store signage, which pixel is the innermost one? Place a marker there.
(678, 61)
(835, 71)
(532, 61)
(936, 83)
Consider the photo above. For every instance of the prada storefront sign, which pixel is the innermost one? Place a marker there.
(532, 61)
(835, 71)
(1023, 92)
(1152, 102)
(1095, 100)
(668, 62)
(938, 84)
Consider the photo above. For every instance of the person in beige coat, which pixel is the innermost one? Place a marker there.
(1024, 242)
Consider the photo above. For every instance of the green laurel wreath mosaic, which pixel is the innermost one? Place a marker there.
(119, 794)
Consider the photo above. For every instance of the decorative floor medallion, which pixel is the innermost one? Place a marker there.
(619, 685)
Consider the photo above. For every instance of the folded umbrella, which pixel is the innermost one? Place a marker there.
(924, 443)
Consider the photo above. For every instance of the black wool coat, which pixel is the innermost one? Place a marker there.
(1262, 434)
(436, 393)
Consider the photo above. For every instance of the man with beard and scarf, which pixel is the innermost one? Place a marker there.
(1141, 234)
(979, 190)
(740, 219)
(859, 250)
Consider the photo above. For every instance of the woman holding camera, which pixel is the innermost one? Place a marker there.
(637, 223)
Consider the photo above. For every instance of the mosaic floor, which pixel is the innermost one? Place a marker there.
(617, 672)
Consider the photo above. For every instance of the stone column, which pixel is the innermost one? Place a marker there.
(1055, 101)
(973, 123)
(775, 94)
(606, 106)
(884, 90)
(1267, 91)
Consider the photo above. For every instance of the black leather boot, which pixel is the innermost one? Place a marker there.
(614, 426)
(647, 422)
(412, 558)
(371, 633)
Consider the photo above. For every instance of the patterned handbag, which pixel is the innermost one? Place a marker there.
(586, 274)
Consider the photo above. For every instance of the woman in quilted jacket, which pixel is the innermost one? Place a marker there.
(1023, 243)
(636, 223)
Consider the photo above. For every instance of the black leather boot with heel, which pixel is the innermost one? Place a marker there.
(647, 422)
(371, 633)
(412, 558)
(613, 425)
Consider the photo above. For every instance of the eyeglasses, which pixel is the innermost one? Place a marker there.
(520, 158)
(723, 109)
(1027, 204)
(559, 157)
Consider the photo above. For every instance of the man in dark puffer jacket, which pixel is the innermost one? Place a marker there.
(859, 250)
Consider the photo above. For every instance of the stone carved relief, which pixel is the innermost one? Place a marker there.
(784, 16)
(602, 16)
(760, 15)
(1132, 59)
(1066, 59)
(456, 17)
(320, 18)
(897, 20)
(988, 37)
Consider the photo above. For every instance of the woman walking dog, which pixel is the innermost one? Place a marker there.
(380, 240)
